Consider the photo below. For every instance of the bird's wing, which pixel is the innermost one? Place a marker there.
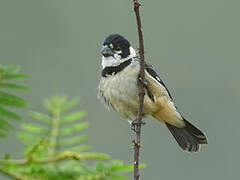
(150, 72)
(167, 111)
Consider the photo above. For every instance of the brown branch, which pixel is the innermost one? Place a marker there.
(139, 123)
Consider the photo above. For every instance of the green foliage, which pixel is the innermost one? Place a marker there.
(71, 170)
(8, 101)
(50, 152)
(59, 126)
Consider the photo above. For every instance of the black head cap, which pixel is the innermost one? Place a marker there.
(118, 43)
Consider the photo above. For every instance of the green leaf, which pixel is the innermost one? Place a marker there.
(72, 168)
(69, 104)
(73, 129)
(7, 74)
(13, 86)
(14, 76)
(72, 140)
(101, 167)
(27, 139)
(8, 114)
(55, 104)
(117, 177)
(11, 100)
(34, 129)
(40, 117)
(11, 69)
(73, 117)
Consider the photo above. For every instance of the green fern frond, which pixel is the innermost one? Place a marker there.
(33, 129)
(104, 171)
(68, 170)
(13, 86)
(11, 100)
(53, 125)
(8, 114)
(73, 129)
(60, 103)
(68, 105)
(73, 117)
(40, 117)
(72, 140)
(27, 138)
(11, 72)
(8, 76)
(54, 150)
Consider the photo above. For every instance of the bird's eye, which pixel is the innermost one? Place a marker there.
(111, 46)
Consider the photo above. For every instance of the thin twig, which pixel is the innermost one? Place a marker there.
(138, 123)
(61, 157)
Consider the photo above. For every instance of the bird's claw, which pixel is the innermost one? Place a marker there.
(135, 123)
(144, 82)
(145, 85)
(135, 144)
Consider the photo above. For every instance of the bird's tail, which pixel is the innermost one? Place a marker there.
(189, 137)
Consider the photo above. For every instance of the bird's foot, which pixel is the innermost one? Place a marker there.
(145, 85)
(135, 123)
(143, 82)
(135, 144)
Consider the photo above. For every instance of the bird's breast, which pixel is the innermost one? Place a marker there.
(120, 92)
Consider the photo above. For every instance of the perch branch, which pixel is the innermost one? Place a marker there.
(138, 124)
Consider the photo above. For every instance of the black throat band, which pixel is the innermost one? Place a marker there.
(110, 70)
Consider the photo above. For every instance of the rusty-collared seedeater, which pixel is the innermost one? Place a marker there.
(118, 88)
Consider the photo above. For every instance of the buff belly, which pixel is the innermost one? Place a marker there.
(120, 92)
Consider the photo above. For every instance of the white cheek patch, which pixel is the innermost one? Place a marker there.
(116, 59)
(109, 61)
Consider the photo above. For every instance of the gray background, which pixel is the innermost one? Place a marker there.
(194, 46)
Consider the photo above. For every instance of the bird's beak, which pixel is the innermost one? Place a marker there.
(106, 51)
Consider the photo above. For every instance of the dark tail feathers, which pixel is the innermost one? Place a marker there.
(189, 137)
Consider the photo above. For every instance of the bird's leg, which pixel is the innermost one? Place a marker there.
(135, 123)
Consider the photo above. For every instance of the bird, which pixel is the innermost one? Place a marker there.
(119, 86)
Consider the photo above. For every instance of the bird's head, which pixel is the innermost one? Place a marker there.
(116, 49)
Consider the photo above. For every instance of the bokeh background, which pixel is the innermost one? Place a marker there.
(194, 46)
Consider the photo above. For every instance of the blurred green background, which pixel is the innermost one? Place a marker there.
(194, 46)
